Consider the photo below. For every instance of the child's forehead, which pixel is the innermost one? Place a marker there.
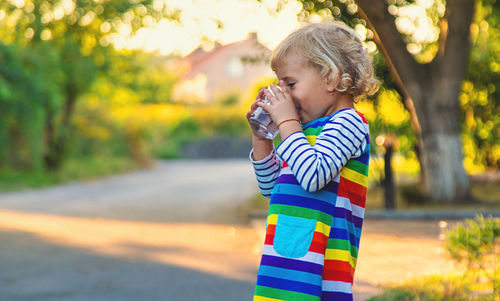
(291, 62)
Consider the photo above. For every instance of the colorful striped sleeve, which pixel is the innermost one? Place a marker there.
(266, 171)
(315, 166)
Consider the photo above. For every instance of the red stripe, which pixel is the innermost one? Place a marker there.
(317, 248)
(337, 270)
(337, 276)
(353, 191)
(338, 265)
(271, 229)
(362, 116)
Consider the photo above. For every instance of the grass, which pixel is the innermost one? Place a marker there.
(82, 169)
(458, 287)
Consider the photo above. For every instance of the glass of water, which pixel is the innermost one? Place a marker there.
(262, 123)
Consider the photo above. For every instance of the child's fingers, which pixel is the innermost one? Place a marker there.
(260, 95)
(276, 91)
(284, 88)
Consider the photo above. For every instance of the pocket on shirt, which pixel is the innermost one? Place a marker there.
(293, 236)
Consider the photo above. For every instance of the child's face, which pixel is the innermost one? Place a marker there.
(311, 93)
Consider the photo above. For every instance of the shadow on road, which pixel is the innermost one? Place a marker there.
(32, 268)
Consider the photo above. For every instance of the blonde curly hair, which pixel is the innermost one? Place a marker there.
(336, 51)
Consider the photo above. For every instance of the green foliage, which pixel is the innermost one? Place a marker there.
(480, 98)
(474, 241)
(28, 80)
(61, 48)
(434, 288)
(75, 169)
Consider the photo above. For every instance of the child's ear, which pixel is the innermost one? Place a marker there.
(331, 82)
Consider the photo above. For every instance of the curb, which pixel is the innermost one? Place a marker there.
(408, 214)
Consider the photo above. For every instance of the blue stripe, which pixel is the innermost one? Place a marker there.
(314, 175)
(289, 285)
(331, 187)
(325, 154)
(347, 138)
(288, 179)
(339, 148)
(289, 143)
(267, 175)
(342, 224)
(296, 149)
(344, 235)
(322, 120)
(288, 263)
(353, 134)
(266, 182)
(347, 214)
(299, 201)
(289, 274)
(266, 168)
(331, 165)
(365, 159)
(309, 167)
(303, 161)
(354, 125)
(323, 195)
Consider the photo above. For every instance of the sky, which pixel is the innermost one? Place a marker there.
(272, 20)
(198, 22)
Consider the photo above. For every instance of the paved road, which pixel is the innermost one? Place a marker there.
(160, 234)
(172, 191)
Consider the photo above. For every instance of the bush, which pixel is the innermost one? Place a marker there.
(473, 243)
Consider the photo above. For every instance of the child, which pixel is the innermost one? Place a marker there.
(316, 178)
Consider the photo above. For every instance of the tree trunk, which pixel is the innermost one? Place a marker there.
(389, 185)
(434, 89)
(57, 142)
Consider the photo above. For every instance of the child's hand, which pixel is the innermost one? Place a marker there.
(281, 106)
(253, 107)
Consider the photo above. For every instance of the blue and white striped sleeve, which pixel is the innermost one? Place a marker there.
(266, 171)
(315, 166)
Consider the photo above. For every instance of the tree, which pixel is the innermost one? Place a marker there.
(79, 34)
(433, 85)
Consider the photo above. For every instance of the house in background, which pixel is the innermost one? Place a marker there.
(225, 70)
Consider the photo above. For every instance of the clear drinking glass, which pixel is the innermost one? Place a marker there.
(262, 123)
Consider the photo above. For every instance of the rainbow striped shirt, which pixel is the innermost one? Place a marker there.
(316, 180)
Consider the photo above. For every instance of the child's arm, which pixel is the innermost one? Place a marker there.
(267, 171)
(315, 166)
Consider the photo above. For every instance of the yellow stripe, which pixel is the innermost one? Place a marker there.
(334, 254)
(311, 139)
(259, 298)
(354, 176)
(272, 219)
(320, 227)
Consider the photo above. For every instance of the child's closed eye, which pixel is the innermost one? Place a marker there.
(290, 85)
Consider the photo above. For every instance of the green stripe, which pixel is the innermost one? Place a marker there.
(269, 292)
(341, 244)
(313, 131)
(301, 212)
(358, 167)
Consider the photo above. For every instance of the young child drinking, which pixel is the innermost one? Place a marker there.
(316, 178)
